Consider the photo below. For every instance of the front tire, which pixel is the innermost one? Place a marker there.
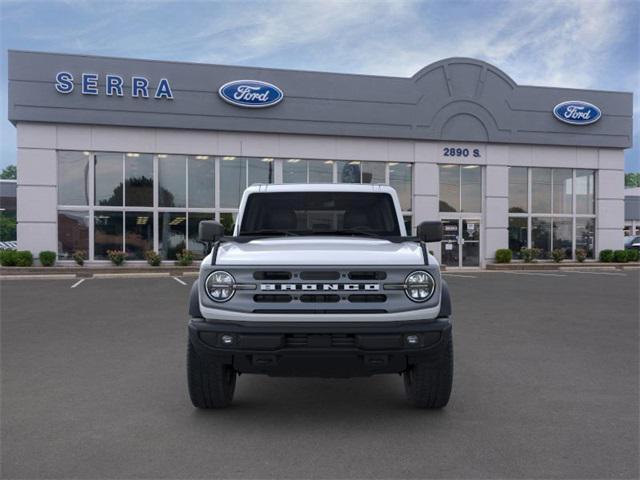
(211, 384)
(428, 384)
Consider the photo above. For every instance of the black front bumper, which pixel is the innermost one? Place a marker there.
(320, 349)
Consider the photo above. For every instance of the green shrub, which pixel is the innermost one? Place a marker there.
(558, 255)
(503, 255)
(530, 254)
(117, 257)
(80, 256)
(24, 258)
(8, 258)
(606, 255)
(185, 258)
(633, 255)
(581, 254)
(153, 258)
(47, 258)
(620, 256)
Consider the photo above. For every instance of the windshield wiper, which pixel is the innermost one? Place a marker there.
(269, 231)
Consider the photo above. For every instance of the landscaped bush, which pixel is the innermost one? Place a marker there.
(620, 256)
(117, 257)
(581, 254)
(633, 255)
(503, 255)
(530, 254)
(47, 258)
(558, 255)
(24, 258)
(8, 258)
(80, 256)
(185, 258)
(153, 258)
(606, 255)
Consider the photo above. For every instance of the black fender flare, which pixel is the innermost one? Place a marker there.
(445, 301)
(194, 301)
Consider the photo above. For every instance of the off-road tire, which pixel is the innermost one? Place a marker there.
(211, 383)
(428, 384)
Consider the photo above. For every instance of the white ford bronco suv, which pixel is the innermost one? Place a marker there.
(323, 281)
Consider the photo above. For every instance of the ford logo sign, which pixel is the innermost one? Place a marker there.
(577, 112)
(250, 93)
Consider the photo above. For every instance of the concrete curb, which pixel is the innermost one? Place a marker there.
(96, 272)
(561, 266)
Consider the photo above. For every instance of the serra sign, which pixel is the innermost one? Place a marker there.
(577, 112)
(113, 85)
(250, 93)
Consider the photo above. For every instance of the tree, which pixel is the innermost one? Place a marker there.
(632, 180)
(9, 172)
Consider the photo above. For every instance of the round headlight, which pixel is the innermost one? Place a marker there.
(220, 286)
(419, 286)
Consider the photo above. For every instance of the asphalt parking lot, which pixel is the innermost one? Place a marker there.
(545, 386)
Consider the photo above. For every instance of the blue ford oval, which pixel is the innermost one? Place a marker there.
(577, 112)
(250, 93)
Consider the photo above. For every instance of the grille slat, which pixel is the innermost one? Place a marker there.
(359, 298)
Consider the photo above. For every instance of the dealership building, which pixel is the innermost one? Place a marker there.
(128, 154)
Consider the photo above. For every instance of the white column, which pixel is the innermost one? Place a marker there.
(37, 188)
(496, 210)
(426, 188)
(610, 200)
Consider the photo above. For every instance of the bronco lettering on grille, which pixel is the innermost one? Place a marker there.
(370, 287)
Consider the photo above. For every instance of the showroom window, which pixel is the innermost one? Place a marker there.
(138, 202)
(460, 188)
(551, 208)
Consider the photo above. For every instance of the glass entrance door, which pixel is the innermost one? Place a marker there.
(460, 246)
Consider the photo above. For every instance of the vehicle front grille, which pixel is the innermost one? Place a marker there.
(320, 341)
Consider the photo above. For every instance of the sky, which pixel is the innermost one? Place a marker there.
(564, 43)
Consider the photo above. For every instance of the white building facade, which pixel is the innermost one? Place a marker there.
(111, 170)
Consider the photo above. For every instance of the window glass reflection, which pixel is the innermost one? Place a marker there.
(373, 172)
(320, 171)
(518, 190)
(198, 248)
(449, 188)
(260, 170)
(349, 172)
(138, 234)
(471, 188)
(201, 181)
(73, 178)
(233, 181)
(562, 190)
(138, 173)
(294, 170)
(73, 233)
(228, 221)
(400, 178)
(541, 190)
(585, 235)
(172, 229)
(517, 235)
(172, 188)
(108, 179)
(107, 233)
(585, 192)
(562, 235)
(541, 235)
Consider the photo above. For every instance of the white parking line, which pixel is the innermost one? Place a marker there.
(536, 273)
(178, 280)
(599, 273)
(78, 283)
(457, 275)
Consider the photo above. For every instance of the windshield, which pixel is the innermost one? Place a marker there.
(320, 213)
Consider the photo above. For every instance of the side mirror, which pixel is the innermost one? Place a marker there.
(430, 232)
(210, 231)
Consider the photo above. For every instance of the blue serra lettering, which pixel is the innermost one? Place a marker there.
(114, 85)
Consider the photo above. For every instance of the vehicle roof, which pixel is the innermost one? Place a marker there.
(320, 187)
